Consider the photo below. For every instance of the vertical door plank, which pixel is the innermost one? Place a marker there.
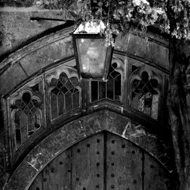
(57, 174)
(37, 184)
(156, 177)
(124, 164)
(88, 164)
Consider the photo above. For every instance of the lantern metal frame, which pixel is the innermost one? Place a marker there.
(107, 61)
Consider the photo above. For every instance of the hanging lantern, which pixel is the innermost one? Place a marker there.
(93, 56)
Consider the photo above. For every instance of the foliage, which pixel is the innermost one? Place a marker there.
(171, 17)
(54, 4)
(16, 3)
(42, 4)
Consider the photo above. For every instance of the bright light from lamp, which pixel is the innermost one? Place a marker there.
(92, 56)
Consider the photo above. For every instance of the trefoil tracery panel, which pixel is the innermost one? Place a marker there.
(26, 114)
(145, 91)
(64, 94)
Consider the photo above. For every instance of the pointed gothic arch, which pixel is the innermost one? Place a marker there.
(47, 72)
(78, 130)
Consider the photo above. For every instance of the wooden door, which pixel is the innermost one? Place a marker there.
(123, 164)
(103, 162)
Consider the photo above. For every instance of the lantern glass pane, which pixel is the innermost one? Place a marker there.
(91, 55)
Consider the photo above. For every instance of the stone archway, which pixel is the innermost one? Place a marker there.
(103, 161)
(78, 130)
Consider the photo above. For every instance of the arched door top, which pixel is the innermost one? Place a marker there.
(77, 130)
(103, 161)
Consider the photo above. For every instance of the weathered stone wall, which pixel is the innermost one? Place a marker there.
(17, 27)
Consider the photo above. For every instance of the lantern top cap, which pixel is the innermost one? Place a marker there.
(94, 26)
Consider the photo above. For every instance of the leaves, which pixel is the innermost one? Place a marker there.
(141, 12)
(55, 4)
(172, 18)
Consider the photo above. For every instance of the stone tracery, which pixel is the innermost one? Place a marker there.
(145, 92)
(27, 116)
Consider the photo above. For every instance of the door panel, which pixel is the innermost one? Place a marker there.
(88, 164)
(37, 184)
(103, 162)
(56, 175)
(124, 164)
(155, 177)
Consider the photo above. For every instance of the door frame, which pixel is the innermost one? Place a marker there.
(79, 129)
